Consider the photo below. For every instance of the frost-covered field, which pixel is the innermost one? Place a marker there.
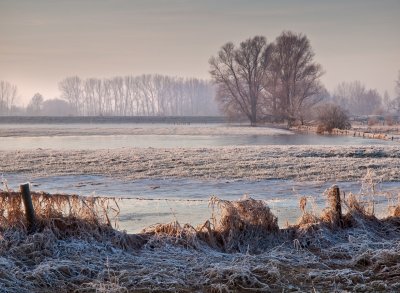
(301, 163)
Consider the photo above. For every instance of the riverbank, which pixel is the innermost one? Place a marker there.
(364, 132)
(74, 249)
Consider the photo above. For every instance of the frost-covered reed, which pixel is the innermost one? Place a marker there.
(241, 248)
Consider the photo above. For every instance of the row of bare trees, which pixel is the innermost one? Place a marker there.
(258, 79)
(144, 95)
(357, 99)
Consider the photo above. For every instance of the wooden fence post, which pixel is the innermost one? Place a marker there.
(336, 206)
(29, 211)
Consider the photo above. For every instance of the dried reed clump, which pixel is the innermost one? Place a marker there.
(333, 214)
(65, 215)
(357, 207)
(173, 233)
(307, 218)
(396, 211)
(245, 224)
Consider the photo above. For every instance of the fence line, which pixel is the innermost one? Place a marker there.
(153, 199)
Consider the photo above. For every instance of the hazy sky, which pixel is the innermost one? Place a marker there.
(43, 41)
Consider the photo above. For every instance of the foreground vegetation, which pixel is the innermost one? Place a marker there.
(75, 249)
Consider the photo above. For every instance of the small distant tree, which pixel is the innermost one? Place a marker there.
(332, 116)
(57, 107)
(8, 96)
(397, 90)
(387, 102)
(35, 105)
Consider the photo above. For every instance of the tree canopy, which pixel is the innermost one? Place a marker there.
(257, 79)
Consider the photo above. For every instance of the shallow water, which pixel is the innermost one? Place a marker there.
(172, 141)
(125, 135)
(149, 201)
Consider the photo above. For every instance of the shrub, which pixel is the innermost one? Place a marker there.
(332, 116)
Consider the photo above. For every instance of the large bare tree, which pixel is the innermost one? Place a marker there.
(298, 74)
(240, 73)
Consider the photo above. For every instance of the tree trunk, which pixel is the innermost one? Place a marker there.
(253, 112)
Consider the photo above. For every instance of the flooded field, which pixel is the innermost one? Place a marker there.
(111, 136)
(171, 173)
(164, 176)
(145, 202)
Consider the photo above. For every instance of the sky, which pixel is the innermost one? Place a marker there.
(44, 41)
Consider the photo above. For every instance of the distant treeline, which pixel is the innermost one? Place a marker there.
(144, 95)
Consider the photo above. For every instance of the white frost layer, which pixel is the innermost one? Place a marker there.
(362, 259)
(137, 129)
(316, 163)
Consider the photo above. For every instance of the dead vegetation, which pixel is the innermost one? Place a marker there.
(241, 248)
(65, 215)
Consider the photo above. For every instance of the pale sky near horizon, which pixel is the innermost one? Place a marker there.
(44, 41)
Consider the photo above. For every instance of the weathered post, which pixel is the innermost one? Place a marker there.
(29, 211)
(336, 206)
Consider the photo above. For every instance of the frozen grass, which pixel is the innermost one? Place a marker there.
(301, 163)
(239, 249)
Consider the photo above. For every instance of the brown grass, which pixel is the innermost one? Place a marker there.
(241, 248)
(241, 224)
(58, 211)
